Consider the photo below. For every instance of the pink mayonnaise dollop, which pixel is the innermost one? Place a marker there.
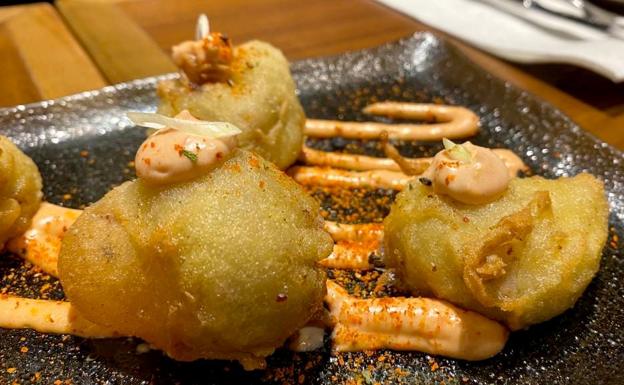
(468, 173)
(171, 156)
(205, 60)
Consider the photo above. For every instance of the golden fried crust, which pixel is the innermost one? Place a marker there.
(522, 259)
(221, 267)
(259, 98)
(20, 190)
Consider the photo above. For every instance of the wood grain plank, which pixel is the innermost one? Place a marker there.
(121, 49)
(300, 29)
(17, 86)
(40, 57)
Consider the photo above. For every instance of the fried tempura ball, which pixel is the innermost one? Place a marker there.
(521, 259)
(20, 190)
(220, 267)
(259, 98)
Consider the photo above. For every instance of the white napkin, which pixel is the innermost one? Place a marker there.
(518, 40)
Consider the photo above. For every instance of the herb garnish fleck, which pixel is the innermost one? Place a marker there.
(191, 155)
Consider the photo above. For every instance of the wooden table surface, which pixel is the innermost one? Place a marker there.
(75, 45)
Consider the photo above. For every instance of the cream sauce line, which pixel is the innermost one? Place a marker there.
(456, 122)
(41, 243)
(422, 324)
(354, 244)
(350, 255)
(334, 177)
(314, 157)
(354, 232)
(46, 316)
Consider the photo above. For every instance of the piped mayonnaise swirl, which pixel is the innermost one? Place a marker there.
(467, 173)
(174, 155)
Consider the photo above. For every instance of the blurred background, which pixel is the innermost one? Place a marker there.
(57, 48)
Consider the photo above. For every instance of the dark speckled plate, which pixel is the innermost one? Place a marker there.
(83, 144)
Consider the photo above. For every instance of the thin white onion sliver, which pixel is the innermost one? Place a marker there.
(456, 151)
(193, 127)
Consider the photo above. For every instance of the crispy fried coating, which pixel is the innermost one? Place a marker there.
(259, 98)
(20, 190)
(522, 259)
(220, 267)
